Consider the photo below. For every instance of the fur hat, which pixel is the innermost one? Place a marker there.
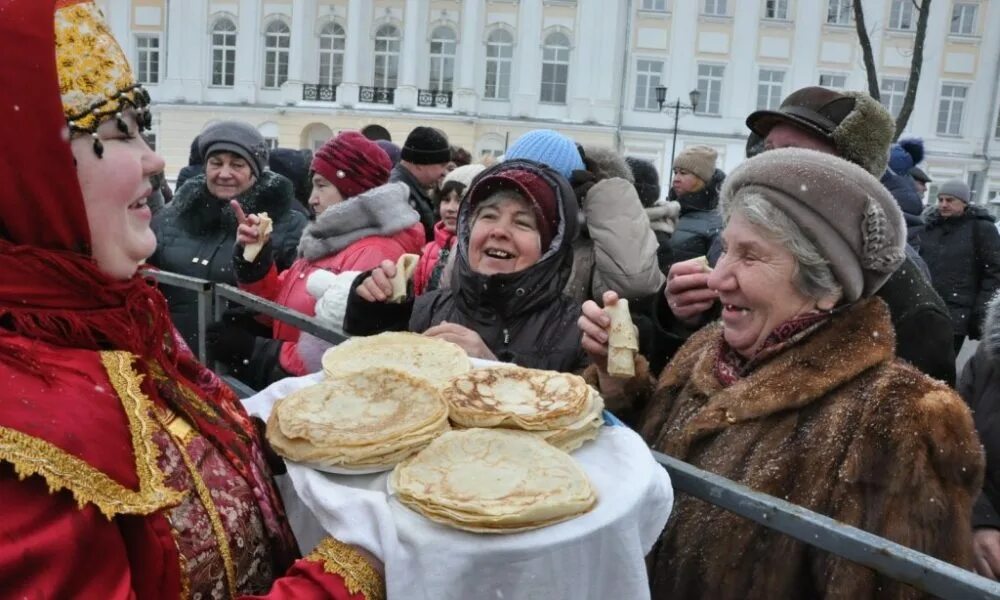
(956, 188)
(845, 212)
(392, 150)
(352, 163)
(605, 163)
(699, 160)
(646, 180)
(906, 154)
(464, 174)
(526, 182)
(426, 146)
(859, 127)
(242, 139)
(95, 80)
(550, 148)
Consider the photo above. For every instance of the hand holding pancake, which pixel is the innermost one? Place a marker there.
(252, 231)
(377, 287)
(595, 324)
(468, 339)
(687, 291)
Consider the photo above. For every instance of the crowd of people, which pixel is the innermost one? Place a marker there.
(798, 320)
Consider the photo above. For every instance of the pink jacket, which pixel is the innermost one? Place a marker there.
(429, 257)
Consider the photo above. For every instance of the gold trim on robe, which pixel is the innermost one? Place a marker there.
(359, 576)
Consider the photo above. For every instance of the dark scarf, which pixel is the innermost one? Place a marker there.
(730, 366)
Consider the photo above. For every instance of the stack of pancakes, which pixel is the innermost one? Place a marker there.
(434, 360)
(365, 421)
(557, 407)
(493, 481)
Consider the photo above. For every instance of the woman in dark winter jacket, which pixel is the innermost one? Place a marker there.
(961, 247)
(979, 385)
(505, 301)
(195, 233)
(695, 185)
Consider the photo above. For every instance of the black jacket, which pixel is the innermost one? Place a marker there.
(963, 255)
(522, 317)
(196, 232)
(979, 386)
(700, 222)
(419, 199)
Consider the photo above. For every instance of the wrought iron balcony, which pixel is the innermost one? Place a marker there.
(434, 99)
(377, 95)
(319, 92)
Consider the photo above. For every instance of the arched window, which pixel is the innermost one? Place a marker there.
(555, 68)
(442, 59)
(331, 54)
(386, 56)
(277, 38)
(223, 53)
(315, 135)
(499, 57)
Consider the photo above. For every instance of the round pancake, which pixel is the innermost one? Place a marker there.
(434, 360)
(511, 396)
(493, 480)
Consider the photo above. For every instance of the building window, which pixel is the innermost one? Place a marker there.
(770, 86)
(838, 12)
(276, 42)
(332, 42)
(892, 93)
(833, 81)
(555, 68)
(443, 47)
(223, 53)
(963, 18)
(776, 9)
(710, 86)
(654, 5)
(647, 76)
(386, 57)
(499, 57)
(901, 14)
(147, 58)
(715, 8)
(950, 110)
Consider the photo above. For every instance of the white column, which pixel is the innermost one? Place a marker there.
(583, 93)
(188, 59)
(249, 42)
(740, 99)
(414, 24)
(469, 57)
(682, 76)
(347, 91)
(174, 33)
(527, 59)
(303, 38)
(805, 45)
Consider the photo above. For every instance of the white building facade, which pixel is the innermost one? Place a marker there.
(487, 71)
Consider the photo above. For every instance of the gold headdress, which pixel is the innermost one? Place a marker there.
(95, 79)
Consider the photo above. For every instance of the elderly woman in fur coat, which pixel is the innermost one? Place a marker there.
(361, 220)
(796, 393)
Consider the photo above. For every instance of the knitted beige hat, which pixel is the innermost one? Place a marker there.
(844, 211)
(699, 160)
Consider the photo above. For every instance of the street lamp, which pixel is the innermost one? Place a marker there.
(661, 97)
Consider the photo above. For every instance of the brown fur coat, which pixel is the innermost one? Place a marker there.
(834, 424)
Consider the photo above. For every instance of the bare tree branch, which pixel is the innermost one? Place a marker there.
(915, 65)
(866, 49)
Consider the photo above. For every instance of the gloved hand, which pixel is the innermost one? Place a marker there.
(582, 181)
(229, 342)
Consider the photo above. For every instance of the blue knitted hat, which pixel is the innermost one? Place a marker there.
(549, 148)
(906, 154)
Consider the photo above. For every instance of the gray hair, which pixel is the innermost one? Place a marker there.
(813, 276)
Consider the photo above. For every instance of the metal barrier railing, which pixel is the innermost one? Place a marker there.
(904, 564)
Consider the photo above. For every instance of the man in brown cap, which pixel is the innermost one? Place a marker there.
(853, 126)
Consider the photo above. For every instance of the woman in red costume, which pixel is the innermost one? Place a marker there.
(126, 469)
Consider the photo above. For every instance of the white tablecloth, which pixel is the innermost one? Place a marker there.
(598, 555)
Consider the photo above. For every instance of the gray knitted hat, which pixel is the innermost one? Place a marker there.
(955, 188)
(844, 211)
(242, 139)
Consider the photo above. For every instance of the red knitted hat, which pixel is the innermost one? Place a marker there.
(533, 187)
(352, 163)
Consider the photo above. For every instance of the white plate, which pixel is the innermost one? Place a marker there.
(334, 470)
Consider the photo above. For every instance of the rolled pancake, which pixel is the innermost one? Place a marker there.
(264, 227)
(516, 397)
(493, 480)
(622, 340)
(405, 266)
(435, 360)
